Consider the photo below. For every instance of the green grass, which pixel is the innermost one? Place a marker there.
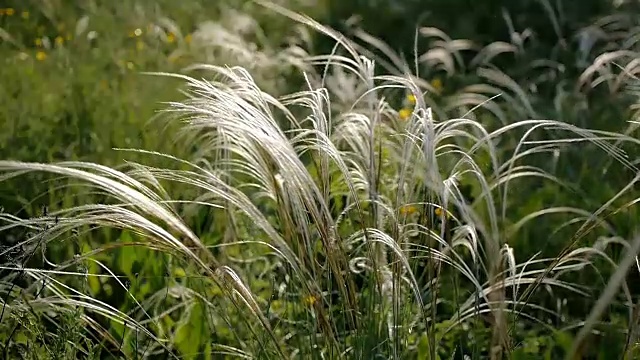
(74, 83)
(322, 222)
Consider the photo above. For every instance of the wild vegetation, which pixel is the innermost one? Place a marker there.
(470, 200)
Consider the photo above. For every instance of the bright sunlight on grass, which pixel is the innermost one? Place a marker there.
(371, 212)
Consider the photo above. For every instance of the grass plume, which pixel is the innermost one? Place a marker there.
(360, 215)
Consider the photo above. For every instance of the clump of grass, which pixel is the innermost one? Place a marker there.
(75, 70)
(345, 234)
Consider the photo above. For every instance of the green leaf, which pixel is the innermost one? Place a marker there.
(564, 340)
(207, 351)
(127, 254)
(192, 334)
(424, 347)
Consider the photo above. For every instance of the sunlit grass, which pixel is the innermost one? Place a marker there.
(337, 222)
(274, 187)
(75, 72)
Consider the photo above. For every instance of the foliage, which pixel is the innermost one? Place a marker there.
(73, 81)
(374, 211)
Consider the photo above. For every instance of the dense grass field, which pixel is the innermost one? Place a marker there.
(189, 181)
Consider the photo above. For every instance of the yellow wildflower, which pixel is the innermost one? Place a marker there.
(408, 210)
(188, 39)
(130, 65)
(171, 38)
(310, 300)
(38, 42)
(437, 84)
(411, 99)
(25, 15)
(59, 40)
(405, 113)
(9, 11)
(41, 55)
(438, 211)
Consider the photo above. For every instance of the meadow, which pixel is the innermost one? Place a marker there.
(201, 182)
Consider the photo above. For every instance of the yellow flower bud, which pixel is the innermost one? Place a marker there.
(405, 113)
(408, 210)
(437, 84)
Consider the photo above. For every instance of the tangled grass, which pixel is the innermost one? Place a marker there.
(338, 231)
